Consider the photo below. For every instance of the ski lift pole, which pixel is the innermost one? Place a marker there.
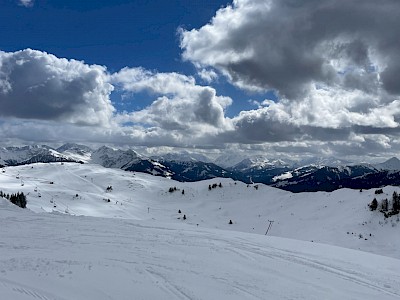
(269, 226)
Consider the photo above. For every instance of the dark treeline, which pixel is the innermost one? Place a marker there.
(18, 199)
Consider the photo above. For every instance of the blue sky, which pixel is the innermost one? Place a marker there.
(287, 78)
(111, 33)
(116, 34)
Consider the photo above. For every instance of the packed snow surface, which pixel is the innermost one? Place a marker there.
(71, 243)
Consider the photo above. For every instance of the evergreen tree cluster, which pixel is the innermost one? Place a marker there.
(214, 185)
(388, 208)
(18, 199)
(172, 189)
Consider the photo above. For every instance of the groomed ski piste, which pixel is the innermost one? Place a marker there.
(76, 240)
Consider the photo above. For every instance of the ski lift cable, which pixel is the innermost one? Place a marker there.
(63, 205)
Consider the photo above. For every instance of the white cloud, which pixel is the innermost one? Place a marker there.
(26, 3)
(48, 99)
(291, 46)
(207, 75)
(38, 85)
(334, 71)
(43, 97)
(321, 116)
(180, 106)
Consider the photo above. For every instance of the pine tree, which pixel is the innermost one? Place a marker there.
(373, 205)
(385, 205)
(23, 201)
(396, 202)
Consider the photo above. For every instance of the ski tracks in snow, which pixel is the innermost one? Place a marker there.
(250, 251)
(15, 290)
(166, 285)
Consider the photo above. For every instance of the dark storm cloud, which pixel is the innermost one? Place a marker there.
(395, 131)
(287, 45)
(391, 76)
(275, 132)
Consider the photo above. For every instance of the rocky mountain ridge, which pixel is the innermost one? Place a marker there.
(186, 167)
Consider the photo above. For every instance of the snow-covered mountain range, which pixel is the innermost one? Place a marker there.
(12, 156)
(323, 175)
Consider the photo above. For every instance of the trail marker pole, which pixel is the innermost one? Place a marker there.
(269, 226)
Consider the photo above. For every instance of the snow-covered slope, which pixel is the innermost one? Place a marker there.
(140, 247)
(76, 152)
(337, 218)
(53, 256)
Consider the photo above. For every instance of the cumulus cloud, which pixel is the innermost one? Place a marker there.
(180, 106)
(43, 97)
(38, 85)
(333, 64)
(48, 99)
(324, 115)
(290, 45)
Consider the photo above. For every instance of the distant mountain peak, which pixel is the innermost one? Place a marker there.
(259, 162)
(182, 156)
(114, 158)
(74, 147)
(391, 164)
(393, 159)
